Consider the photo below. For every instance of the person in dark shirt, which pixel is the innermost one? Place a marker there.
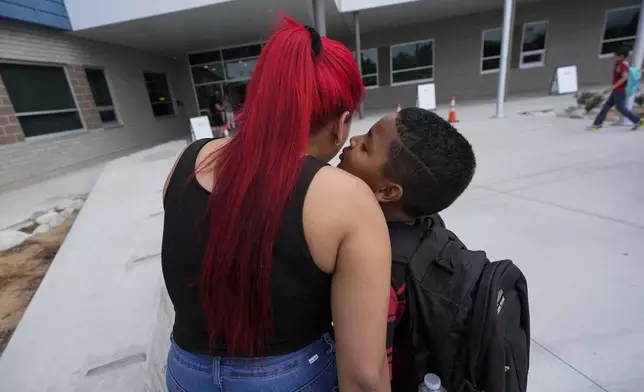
(417, 164)
(617, 91)
(217, 114)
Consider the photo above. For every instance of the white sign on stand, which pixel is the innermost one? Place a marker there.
(564, 81)
(426, 98)
(200, 128)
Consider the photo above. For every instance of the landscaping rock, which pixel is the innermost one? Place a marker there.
(11, 238)
(76, 204)
(67, 213)
(578, 113)
(67, 203)
(51, 219)
(23, 226)
(41, 229)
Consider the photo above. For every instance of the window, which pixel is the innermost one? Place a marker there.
(369, 60)
(242, 52)
(208, 73)
(240, 69)
(222, 70)
(102, 96)
(159, 94)
(41, 98)
(204, 58)
(412, 62)
(533, 44)
(206, 93)
(620, 29)
(491, 51)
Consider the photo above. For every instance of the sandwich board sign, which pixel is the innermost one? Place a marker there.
(426, 97)
(564, 80)
(200, 128)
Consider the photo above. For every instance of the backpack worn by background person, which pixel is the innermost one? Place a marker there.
(466, 319)
(634, 79)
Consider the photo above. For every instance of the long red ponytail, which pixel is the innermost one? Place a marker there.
(290, 90)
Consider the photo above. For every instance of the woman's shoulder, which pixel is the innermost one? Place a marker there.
(335, 187)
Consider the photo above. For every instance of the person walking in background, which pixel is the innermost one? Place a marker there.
(228, 112)
(265, 245)
(617, 92)
(218, 114)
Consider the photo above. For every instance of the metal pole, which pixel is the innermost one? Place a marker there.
(356, 26)
(320, 19)
(508, 10)
(637, 58)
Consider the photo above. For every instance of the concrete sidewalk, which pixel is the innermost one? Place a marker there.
(567, 205)
(16, 205)
(100, 320)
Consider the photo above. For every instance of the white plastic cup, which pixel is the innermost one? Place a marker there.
(432, 382)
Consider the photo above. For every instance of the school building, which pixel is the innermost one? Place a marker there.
(83, 80)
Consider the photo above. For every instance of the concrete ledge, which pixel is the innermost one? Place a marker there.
(101, 318)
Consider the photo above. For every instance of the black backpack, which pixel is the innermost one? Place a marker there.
(467, 319)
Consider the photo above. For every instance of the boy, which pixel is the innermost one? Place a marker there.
(417, 165)
(617, 91)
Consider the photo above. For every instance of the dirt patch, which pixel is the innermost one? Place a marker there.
(21, 271)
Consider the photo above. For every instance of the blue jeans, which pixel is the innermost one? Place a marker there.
(310, 369)
(617, 99)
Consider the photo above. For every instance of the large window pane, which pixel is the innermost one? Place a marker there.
(414, 55)
(98, 85)
(205, 95)
(370, 81)
(408, 76)
(369, 62)
(204, 58)
(101, 94)
(43, 124)
(611, 46)
(621, 23)
(242, 52)
(107, 116)
(162, 109)
(492, 43)
(35, 88)
(241, 69)
(532, 58)
(208, 73)
(159, 94)
(534, 36)
(491, 64)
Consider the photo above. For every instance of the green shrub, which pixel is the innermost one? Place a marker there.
(639, 99)
(589, 100)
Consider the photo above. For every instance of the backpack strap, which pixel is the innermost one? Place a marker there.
(406, 240)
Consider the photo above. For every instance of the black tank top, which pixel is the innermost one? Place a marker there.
(300, 291)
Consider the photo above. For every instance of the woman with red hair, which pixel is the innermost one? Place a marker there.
(264, 244)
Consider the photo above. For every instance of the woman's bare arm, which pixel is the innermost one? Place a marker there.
(360, 295)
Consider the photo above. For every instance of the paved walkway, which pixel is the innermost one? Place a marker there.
(567, 205)
(101, 320)
(19, 204)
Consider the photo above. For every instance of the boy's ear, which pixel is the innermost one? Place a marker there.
(389, 192)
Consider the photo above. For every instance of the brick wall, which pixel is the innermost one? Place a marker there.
(10, 131)
(85, 100)
(28, 161)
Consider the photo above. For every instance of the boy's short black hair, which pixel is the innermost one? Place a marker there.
(622, 51)
(432, 162)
